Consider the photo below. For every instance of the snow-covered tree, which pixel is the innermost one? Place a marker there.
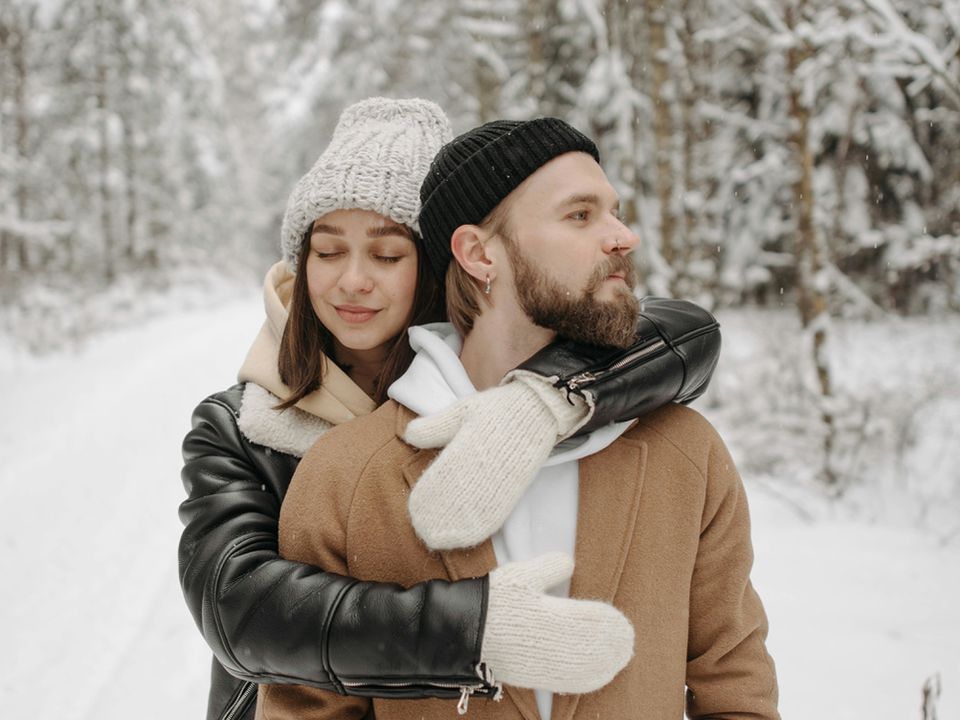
(770, 151)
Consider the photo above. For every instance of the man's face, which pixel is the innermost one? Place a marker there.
(568, 253)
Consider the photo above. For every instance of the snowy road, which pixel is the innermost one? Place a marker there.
(92, 608)
(94, 627)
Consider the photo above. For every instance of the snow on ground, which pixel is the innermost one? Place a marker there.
(94, 627)
(93, 622)
(860, 615)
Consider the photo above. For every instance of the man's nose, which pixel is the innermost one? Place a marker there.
(356, 277)
(620, 239)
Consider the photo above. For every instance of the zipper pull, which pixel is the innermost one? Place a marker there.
(465, 692)
(574, 383)
(485, 672)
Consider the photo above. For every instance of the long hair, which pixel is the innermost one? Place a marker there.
(307, 345)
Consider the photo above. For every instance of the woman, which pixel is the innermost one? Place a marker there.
(333, 341)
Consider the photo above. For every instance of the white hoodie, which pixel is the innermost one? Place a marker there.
(545, 519)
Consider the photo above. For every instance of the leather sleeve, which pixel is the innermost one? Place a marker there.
(672, 359)
(271, 620)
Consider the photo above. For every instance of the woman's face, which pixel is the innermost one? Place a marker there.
(361, 277)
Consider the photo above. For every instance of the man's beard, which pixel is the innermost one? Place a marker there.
(581, 318)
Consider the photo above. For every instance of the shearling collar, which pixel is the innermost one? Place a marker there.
(292, 431)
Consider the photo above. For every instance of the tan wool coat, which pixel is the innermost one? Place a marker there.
(663, 533)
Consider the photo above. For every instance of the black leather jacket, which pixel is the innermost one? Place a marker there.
(269, 620)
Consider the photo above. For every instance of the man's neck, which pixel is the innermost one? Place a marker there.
(498, 342)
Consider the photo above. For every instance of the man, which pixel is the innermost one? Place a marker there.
(523, 222)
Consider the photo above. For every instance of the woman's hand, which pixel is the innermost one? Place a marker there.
(536, 640)
(495, 442)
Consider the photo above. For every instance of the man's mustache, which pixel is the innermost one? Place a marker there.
(613, 264)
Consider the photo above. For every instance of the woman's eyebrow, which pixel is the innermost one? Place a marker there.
(326, 229)
(387, 230)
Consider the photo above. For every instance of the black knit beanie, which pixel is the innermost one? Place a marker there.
(475, 171)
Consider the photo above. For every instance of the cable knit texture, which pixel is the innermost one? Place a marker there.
(380, 151)
(496, 441)
(533, 639)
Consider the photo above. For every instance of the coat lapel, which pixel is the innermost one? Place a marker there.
(469, 563)
(609, 501)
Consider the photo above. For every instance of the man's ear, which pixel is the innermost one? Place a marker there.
(468, 246)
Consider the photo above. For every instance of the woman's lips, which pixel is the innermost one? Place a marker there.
(355, 313)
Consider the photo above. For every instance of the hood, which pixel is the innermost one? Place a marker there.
(436, 379)
(338, 400)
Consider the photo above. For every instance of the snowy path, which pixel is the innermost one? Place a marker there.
(94, 627)
(92, 608)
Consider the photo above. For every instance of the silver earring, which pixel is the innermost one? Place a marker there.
(618, 244)
(486, 286)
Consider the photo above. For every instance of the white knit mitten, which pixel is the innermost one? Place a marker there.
(495, 442)
(535, 640)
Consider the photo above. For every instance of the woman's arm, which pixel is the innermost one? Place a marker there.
(674, 354)
(270, 620)
(267, 619)
(566, 389)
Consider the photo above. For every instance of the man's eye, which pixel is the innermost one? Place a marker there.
(579, 215)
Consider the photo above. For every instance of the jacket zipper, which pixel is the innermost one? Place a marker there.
(465, 693)
(240, 701)
(587, 378)
(466, 689)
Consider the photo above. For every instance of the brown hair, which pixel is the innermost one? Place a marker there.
(307, 345)
(464, 293)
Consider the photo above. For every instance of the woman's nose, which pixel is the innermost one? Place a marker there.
(356, 277)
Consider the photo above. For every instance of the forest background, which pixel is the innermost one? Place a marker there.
(795, 154)
(790, 164)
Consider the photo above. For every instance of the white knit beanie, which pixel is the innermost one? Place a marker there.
(378, 157)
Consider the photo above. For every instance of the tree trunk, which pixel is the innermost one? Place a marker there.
(6, 31)
(690, 91)
(106, 220)
(657, 17)
(129, 113)
(812, 283)
(620, 21)
(130, 175)
(534, 21)
(487, 85)
(14, 31)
